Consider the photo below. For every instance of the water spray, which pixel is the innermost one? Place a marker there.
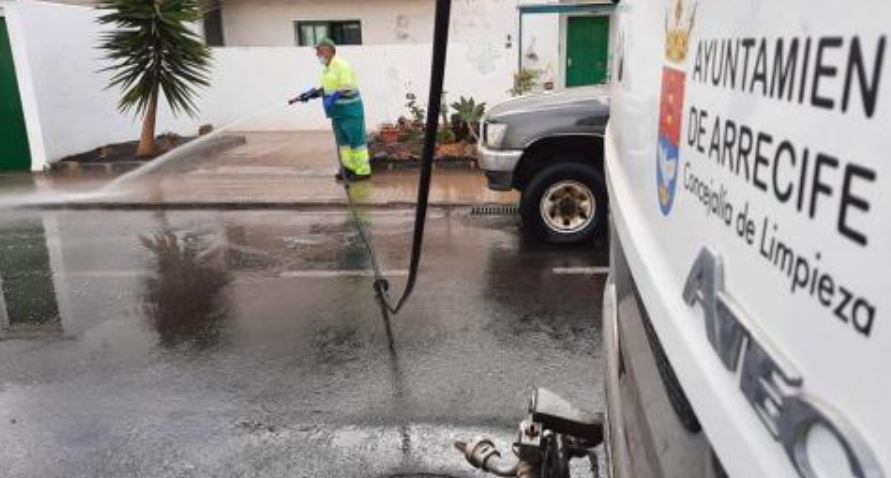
(184, 150)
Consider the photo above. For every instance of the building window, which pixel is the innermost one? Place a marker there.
(213, 27)
(341, 32)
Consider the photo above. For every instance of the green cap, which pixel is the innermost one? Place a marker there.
(326, 42)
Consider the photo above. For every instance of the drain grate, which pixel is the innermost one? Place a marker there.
(495, 210)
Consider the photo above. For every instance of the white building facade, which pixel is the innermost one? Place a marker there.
(534, 32)
(262, 56)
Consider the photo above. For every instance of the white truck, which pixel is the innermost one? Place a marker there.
(745, 320)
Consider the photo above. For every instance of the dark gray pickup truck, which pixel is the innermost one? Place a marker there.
(550, 147)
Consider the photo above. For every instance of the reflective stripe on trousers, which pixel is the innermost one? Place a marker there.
(350, 134)
(356, 160)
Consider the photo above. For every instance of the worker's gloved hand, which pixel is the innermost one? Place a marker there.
(306, 96)
(312, 94)
(331, 101)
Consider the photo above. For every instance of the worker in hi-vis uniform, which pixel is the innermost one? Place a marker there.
(343, 105)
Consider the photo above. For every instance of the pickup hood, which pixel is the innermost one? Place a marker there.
(590, 98)
(579, 111)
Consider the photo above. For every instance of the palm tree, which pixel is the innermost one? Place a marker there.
(153, 49)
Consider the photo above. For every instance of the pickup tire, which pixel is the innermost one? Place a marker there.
(565, 203)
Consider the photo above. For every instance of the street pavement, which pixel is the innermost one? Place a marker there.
(161, 342)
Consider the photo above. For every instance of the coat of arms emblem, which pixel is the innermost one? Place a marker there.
(677, 41)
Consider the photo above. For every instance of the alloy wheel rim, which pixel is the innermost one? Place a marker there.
(568, 207)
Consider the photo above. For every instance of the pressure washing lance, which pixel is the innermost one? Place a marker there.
(314, 93)
(307, 95)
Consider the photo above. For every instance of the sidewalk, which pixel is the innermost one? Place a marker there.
(279, 170)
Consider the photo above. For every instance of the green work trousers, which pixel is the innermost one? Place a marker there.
(349, 130)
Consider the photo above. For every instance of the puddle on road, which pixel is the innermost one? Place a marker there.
(185, 297)
(192, 275)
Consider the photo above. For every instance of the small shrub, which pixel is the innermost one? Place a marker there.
(467, 117)
(445, 136)
(525, 81)
(418, 112)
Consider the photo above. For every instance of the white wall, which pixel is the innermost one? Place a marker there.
(543, 46)
(75, 113)
(247, 80)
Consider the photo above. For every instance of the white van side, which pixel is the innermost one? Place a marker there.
(746, 319)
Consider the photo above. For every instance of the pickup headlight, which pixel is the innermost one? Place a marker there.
(495, 133)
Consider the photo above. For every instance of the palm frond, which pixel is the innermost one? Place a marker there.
(152, 49)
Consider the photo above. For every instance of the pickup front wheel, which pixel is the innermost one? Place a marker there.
(565, 203)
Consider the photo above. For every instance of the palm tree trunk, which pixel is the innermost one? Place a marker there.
(147, 140)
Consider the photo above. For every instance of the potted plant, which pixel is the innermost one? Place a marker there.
(525, 81)
(389, 133)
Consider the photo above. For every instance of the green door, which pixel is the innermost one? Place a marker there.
(587, 41)
(14, 152)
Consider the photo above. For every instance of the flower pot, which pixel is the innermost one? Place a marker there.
(389, 135)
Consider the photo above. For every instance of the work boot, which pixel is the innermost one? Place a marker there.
(353, 177)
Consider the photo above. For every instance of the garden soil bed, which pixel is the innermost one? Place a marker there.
(121, 157)
(126, 151)
(397, 156)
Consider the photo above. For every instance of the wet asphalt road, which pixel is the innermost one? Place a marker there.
(248, 343)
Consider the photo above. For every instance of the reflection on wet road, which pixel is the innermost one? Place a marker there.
(249, 344)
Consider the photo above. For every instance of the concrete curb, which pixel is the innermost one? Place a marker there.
(250, 206)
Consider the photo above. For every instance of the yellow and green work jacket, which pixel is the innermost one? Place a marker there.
(338, 75)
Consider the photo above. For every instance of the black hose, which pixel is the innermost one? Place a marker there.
(437, 75)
